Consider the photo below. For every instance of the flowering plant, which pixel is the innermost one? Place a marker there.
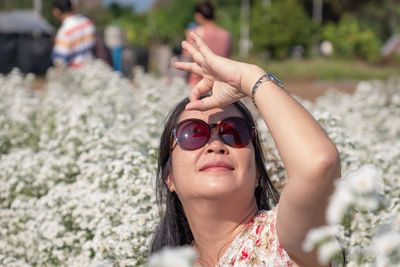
(78, 164)
(363, 213)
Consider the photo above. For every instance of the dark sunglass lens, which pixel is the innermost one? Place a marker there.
(192, 134)
(235, 132)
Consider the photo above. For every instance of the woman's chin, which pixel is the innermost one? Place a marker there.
(218, 187)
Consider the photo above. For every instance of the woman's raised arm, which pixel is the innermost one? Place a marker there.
(310, 158)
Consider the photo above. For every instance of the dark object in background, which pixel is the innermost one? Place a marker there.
(33, 53)
(134, 56)
(25, 42)
(8, 52)
(101, 51)
(177, 50)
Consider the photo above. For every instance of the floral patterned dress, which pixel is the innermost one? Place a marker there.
(257, 244)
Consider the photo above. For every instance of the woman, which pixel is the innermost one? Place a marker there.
(216, 188)
(217, 38)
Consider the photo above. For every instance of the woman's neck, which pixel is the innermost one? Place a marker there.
(208, 23)
(214, 228)
(205, 22)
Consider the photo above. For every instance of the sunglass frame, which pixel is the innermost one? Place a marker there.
(210, 126)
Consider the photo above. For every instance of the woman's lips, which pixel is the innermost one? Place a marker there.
(216, 166)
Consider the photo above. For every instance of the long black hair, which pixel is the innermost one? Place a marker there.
(174, 229)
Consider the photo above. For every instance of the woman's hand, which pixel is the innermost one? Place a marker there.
(226, 79)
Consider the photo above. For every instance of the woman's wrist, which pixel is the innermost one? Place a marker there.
(250, 76)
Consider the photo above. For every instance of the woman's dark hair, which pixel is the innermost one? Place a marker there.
(206, 9)
(174, 229)
(64, 6)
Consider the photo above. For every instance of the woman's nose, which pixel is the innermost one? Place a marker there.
(215, 145)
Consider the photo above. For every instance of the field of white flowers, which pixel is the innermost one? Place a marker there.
(77, 169)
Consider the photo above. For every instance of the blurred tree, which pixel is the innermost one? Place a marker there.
(350, 40)
(228, 17)
(271, 31)
(47, 12)
(168, 22)
(116, 11)
(14, 4)
(289, 21)
(171, 31)
(136, 26)
(381, 16)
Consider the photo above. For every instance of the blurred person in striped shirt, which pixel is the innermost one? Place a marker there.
(75, 39)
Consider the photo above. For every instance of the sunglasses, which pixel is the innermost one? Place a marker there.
(193, 134)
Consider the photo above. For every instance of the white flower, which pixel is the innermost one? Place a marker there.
(352, 264)
(173, 257)
(319, 236)
(328, 250)
(364, 180)
(396, 222)
(387, 243)
(339, 204)
(370, 203)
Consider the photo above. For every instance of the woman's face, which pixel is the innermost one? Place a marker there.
(215, 170)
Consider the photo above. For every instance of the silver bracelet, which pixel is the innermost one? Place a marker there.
(265, 77)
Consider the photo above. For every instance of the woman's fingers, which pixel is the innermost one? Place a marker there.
(204, 59)
(189, 66)
(203, 87)
(206, 103)
(194, 52)
(201, 46)
(222, 95)
(188, 47)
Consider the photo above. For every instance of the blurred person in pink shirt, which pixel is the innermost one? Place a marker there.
(217, 38)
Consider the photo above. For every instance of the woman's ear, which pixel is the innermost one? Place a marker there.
(170, 183)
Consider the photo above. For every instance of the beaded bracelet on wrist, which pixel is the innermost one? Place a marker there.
(265, 77)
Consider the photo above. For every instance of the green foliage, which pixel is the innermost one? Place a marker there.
(279, 26)
(350, 40)
(135, 28)
(47, 13)
(228, 17)
(134, 25)
(168, 23)
(370, 16)
(6, 5)
(163, 24)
